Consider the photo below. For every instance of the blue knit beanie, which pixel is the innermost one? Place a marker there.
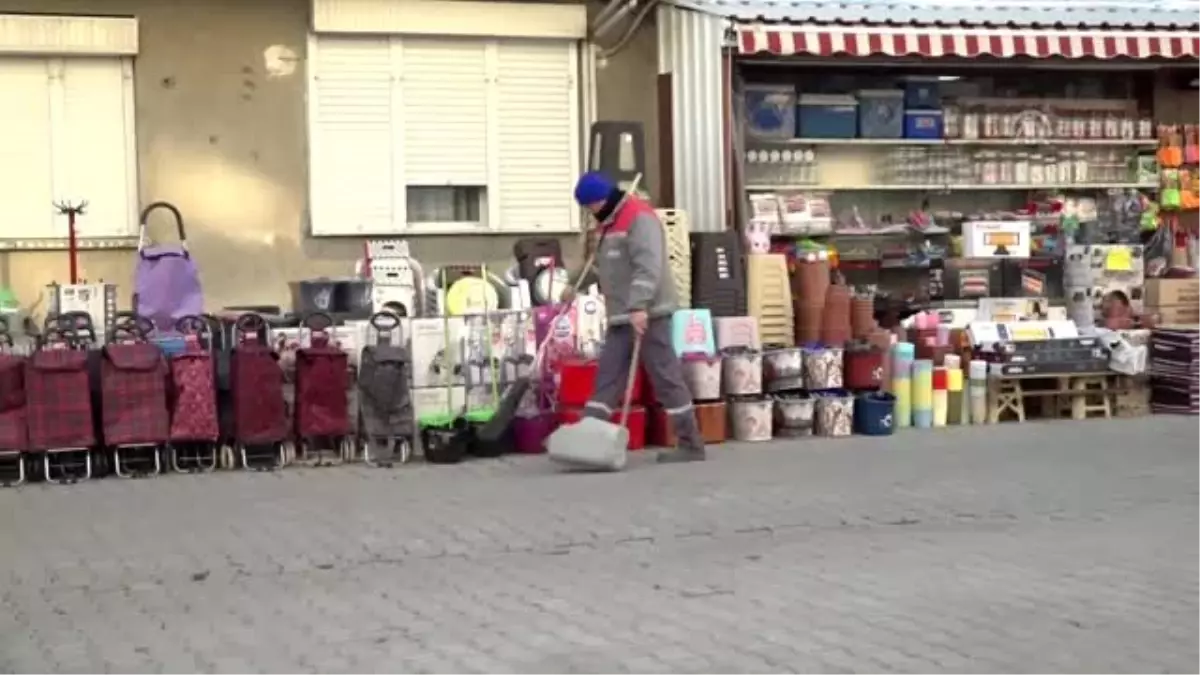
(593, 187)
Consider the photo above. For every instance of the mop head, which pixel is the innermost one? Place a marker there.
(590, 444)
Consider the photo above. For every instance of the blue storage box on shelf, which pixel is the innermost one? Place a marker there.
(826, 116)
(923, 124)
(770, 111)
(922, 94)
(881, 113)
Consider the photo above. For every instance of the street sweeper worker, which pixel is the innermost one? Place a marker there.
(640, 297)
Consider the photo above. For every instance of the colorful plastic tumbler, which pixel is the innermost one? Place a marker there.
(922, 393)
(978, 393)
(940, 397)
(958, 410)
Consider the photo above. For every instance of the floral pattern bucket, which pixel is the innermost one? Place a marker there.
(835, 414)
(823, 368)
(703, 376)
(742, 368)
(751, 417)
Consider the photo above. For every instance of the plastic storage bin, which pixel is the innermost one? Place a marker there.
(922, 95)
(770, 111)
(923, 124)
(881, 113)
(822, 116)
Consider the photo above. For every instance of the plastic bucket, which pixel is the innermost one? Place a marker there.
(874, 414)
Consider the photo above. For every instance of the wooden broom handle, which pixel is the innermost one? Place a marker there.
(635, 361)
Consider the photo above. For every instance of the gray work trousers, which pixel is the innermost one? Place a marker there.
(664, 370)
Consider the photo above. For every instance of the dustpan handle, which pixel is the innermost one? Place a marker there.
(635, 360)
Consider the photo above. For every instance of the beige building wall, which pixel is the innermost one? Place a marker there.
(225, 143)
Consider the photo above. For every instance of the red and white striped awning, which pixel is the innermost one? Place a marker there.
(862, 41)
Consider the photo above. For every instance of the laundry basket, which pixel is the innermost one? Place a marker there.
(679, 252)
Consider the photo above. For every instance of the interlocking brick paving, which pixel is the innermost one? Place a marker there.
(1015, 548)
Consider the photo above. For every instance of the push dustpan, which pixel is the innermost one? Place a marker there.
(593, 444)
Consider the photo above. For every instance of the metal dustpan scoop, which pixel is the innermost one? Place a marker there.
(596, 444)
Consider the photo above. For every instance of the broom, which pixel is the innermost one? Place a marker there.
(511, 400)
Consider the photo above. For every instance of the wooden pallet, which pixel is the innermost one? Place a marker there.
(1074, 396)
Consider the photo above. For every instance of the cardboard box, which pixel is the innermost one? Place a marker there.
(1171, 292)
(1176, 314)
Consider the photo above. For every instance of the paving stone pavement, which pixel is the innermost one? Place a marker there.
(1061, 547)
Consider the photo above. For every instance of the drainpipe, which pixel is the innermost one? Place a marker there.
(606, 22)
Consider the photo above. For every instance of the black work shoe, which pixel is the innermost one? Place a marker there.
(681, 455)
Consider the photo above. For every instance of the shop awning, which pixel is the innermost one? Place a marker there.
(934, 42)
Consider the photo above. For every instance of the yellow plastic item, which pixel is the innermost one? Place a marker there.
(679, 252)
(1119, 259)
(954, 379)
(769, 298)
(471, 295)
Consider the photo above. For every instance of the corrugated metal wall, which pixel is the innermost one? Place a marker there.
(689, 47)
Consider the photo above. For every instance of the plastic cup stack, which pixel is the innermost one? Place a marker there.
(922, 393)
(901, 385)
(958, 408)
(978, 371)
(941, 401)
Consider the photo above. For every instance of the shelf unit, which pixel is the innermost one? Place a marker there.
(1017, 142)
(763, 187)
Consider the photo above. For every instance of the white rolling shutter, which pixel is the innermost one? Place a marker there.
(354, 126)
(537, 121)
(91, 155)
(445, 111)
(442, 135)
(26, 173)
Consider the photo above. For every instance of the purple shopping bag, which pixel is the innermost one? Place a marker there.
(166, 282)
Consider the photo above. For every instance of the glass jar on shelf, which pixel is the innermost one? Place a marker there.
(988, 167)
(1010, 124)
(951, 121)
(1128, 127)
(1080, 173)
(1112, 125)
(970, 124)
(1037, 169)
(991, 124)
(1020, 168)
(1095, 125)
(1079, 126)
(1006, 165)
(1062, 125)
(1050, 169)
(1145, 129)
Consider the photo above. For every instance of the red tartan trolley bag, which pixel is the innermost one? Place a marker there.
(260, 425)
(322, 406)
(14, 439)
(133, 397)
(195, 429)
(58, 404)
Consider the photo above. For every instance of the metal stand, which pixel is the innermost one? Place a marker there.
(71, 212)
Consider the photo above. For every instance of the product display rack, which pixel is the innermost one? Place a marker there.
(952, 187)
